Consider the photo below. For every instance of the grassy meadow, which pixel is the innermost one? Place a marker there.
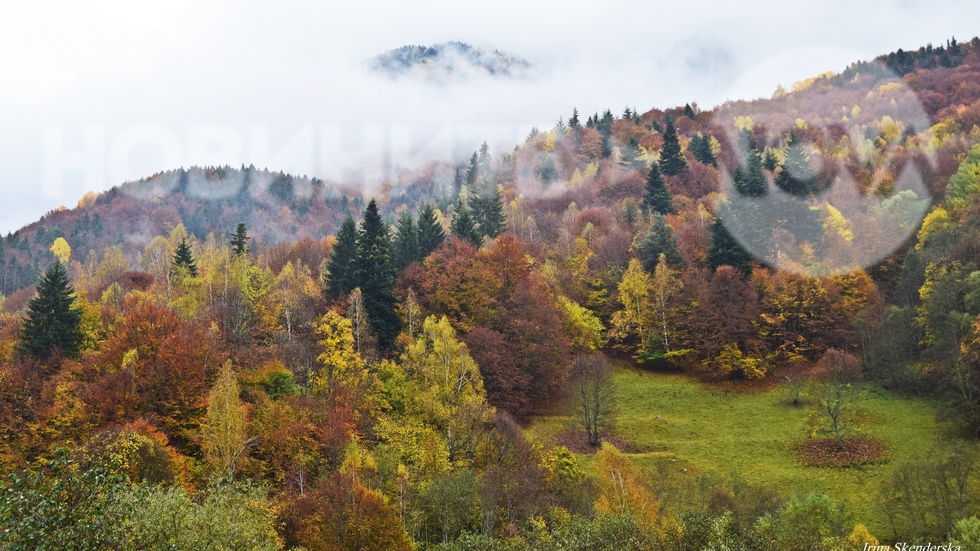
(719, 432)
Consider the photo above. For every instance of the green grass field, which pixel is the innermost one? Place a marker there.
(718, 432)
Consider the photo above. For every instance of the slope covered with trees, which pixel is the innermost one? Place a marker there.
(302, 366)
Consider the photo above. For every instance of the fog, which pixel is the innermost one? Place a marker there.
(94, 96)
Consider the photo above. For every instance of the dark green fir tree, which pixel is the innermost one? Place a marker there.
(405, 248)
(239, 240)
(661, 239)
(726, 251)
(375, 276)
(52, 324)
(672, 161)
(431, 234)
(795, 176)
(656, 198)
(184, 259)
(464, 227)
(341, 276)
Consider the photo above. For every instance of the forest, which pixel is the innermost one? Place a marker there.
(752, 327)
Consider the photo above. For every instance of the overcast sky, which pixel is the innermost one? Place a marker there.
(92, 94)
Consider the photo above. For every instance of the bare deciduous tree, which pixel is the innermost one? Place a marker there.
(594, 394)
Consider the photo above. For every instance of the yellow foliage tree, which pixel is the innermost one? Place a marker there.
(61, 250)
(621, 488)
(340, 366)
(223, 430)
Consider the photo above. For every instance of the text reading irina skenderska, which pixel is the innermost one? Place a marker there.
(902, 546)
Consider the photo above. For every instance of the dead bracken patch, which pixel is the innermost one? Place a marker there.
(823, 452)
(577, 442)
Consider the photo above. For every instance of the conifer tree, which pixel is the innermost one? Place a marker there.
(473, 172)
(431, 234)
(661, 240)
(375, 275)
(725, 251)
(573, 122)
(52, 323)
(184, 259)
(457, 182)
(463, 225)
(655, 195)
(631, 154)
(672, 161)
(405, 248)
(239, 241)
(487, 206)
(341, 276)
(700, 148)
(795, 176)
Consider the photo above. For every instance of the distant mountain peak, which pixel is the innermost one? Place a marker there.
(449, 60)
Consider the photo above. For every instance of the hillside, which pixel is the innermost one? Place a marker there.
(656, 330)
(447, 61)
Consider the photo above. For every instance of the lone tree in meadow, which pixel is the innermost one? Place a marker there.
(52, 323)
(593, 392)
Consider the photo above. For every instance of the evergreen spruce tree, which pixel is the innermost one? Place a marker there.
(795, 177)
(725, 251)
(431, 234)
(375, 275)
(655, 195)
(573, 122)
(464, 227)
(485, 162)
(631, 154)
(750, 180)
(661, 239)
(770, 160)
(52, 324)
(672, 161)
(689, 111)
(405, 248)
(473, 172)
(341, 276)
(457, 183)
(239, 241)
(487, 206)
(700, 148)
(184, 258)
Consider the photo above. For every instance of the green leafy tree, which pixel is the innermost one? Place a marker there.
(184, 259)
(52, 323)
(376, 277)
(239, 240)
(341, 277)
(431, 234)
(672, 161)
(405, 249)
(655, 194)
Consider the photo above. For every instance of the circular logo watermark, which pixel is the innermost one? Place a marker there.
(826, 177)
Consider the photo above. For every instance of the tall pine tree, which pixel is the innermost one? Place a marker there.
(376, 277)
(341, 276)
(52, 323)
(726, 251)
(463, 225)
(405, 249)
(239, 240)
(655, 195)
(184, 259)
(487, 206)
(431, 234)
(660, 240)
(672, 161)
(796, 177)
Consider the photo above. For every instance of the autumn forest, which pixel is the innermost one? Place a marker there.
(752, 327)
